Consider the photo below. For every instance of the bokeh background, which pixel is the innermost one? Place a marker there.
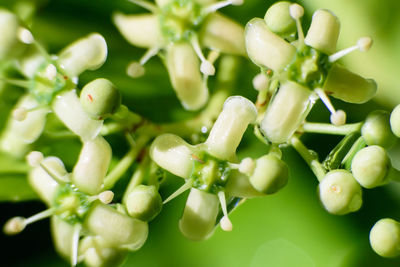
(287, 229)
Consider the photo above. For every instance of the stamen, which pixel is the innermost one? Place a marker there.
(206, 66)
(25, 36)
(55, 176)
(75, 244)
(363, 44)
(51, 72)
(225, 223)
(321, 94)
(338, 118)
(260, 82)
(105, 197)
(146, 5)
(296, 12)
(17, 224)
(187, 185)
(19, 114)
(247, 166)
(34, 158)
(20, 83)
(135, 69)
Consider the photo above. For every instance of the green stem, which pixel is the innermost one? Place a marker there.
(327, 128)
(309, 157)
(357, 146)
(125, 163)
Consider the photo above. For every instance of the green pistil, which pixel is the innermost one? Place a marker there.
(71, 204)
(180, 19)
(209, 173)
(44, 89)
(309, 68)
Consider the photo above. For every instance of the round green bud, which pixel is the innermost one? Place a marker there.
(200, 214)
(385, 238)
(118, 230)
(279, 20)
(376, 129)
(348, 86)
(100, 98)
(97, 253)
(370, 166)
(340, 193)
(395, 121)
(270, 175)
(144, 202)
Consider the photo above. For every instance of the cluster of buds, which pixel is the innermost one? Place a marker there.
(211, 172)
(178, 30)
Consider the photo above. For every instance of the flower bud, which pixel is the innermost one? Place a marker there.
(270, 175)
(385, 238)
(376, 129)
(395, 121)
(223, 34)
(184, 71)
(370, 166)
(279, 20)
(44, 184)
(10, 46)
(173, 154)
(62, 233)
(144, 202)
(323, 32)
(237, 113)
(68, 109)
(348, 86)
(286, 111)
(200, 214)
(97, 253)
(91, 168)
(140, 30)
(87, 53)
(238, 185)
(100, 98)
(340, 193)
(118, 230)
(265, 48)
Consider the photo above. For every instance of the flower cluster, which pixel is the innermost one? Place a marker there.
(89, 225)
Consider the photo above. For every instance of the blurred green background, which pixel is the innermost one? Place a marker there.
(287, 229)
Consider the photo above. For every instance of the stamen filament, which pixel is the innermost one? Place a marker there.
(321, 94)
(296, 12)
(338, 55)
(225, 223)
(206, 67)
(40, 216)
(19, 83)
(187, 185)
(55, 176)
(215, 6)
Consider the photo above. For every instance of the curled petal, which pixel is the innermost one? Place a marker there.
(184, 71)
(265, 48)
(140, 30)
(223, 34)
(9, 26)
(87, 53)
(62, 236)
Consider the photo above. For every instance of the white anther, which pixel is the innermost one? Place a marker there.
(19, 114)
(51, 72)
(14, 226)
(247, 166)
(25, 36)
(226, 224)
(34, 158)
(296, 11)
(338, 118)
(364, 43)
(207, 68)
(260, 82)
(106, 197)
(135, 70)
(237, 2)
